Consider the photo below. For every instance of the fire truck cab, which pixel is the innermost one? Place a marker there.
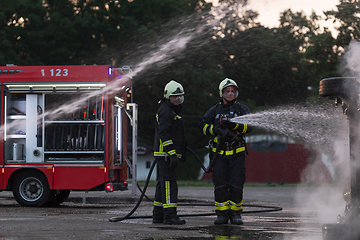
(62, 128)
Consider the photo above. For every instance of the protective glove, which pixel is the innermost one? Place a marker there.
(182, 158)
(221, 131)
(231, 125)
(225, 123)
(173, 161)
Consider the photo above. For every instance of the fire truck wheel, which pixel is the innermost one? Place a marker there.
(337, 87)
(58, 197)
(31, 188)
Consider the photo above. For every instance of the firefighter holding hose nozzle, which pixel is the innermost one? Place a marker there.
(169, 148)
(227, 152)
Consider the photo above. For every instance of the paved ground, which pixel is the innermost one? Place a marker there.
(86, 216)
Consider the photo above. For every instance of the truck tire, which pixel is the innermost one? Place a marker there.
(31, 188)
(337, 87)
(58, 197)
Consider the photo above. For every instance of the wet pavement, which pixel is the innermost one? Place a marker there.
(86, 215)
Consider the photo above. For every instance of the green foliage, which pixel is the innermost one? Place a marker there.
(248, 57)
(347, 14)
(52, 32)
(321, 58)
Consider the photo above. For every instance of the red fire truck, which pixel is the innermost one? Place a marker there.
(62, 128)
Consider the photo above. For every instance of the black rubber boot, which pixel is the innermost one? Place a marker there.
(222, 217)
(235, 217)
(158, 220)
(174, 221)
(158, 215)
(171, 217)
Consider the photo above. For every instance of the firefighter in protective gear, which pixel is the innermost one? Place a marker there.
(169, 148)
(228, 148)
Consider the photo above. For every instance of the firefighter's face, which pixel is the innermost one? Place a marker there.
(176, 99)
(230, 93)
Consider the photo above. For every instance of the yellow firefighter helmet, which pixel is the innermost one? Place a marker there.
(226, 83)
(173, 88)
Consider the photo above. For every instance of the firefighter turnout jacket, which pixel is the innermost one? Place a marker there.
(227, 155)
(211, 123)
(169, 142)
(169, 132)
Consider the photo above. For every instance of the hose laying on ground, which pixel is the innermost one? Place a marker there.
(268, 209)
(207, 170)
(116, 219)
(128, 216)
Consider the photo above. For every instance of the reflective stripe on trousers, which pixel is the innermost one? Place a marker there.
(228, 205)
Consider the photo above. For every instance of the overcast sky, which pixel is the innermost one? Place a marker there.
(269, 10)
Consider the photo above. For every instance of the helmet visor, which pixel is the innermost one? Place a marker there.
(177, 99)
(230, 93)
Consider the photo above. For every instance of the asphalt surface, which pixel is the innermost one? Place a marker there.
(86, 215)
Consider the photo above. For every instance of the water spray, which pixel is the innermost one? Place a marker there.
(345, 91)
(310, 124)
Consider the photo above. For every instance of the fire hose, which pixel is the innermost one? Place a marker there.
(207, 170)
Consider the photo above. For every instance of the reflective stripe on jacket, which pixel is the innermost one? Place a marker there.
(211, 121)
(169, 131)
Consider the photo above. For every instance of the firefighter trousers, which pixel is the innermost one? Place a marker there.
(166, 193)
(229, 178)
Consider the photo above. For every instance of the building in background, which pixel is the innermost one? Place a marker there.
(145, 158)
(276, 159)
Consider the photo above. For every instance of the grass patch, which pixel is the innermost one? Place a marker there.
(199, 183)
(182, 183)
